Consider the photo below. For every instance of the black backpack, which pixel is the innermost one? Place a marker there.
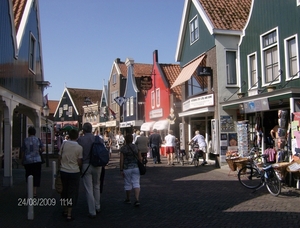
(99, 155)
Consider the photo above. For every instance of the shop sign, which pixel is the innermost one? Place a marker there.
(156, 113)
(256, 105)
(145, 83)
(111, 123)
(198, 102)
(204, 71)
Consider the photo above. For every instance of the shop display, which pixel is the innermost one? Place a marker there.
(243, 138)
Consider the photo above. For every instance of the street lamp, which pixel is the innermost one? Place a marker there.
(46, 114)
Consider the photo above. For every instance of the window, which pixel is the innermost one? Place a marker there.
(114, 78)
(60, 112)
(252, 71)
(291, 57)
(197, 85)
(270, 64)
(231, 68)
(152, 99)
(32, 53)
(70, 111)
(65, 107)
(194, 30)
(127, 108)
(131, 106)
(157, 97)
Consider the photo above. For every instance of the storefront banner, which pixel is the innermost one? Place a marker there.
(256, 105)
(111, 123)
(198, 102)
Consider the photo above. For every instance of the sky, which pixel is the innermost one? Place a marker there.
(82, 38)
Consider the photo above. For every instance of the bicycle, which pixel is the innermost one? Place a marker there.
(180, 156)
(252, 177)
(195, 154)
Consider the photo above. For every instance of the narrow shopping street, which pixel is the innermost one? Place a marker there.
(171, 196)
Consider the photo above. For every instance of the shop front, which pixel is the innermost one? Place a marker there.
(263, 121)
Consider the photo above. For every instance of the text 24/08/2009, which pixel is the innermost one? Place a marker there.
(42, 202)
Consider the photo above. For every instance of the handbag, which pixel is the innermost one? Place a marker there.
(58, 183)
(142, 167)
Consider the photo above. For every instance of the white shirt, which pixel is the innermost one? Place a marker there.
(170, 140)
(200, 140)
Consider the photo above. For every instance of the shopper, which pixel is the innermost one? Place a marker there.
(170, 142)
(129, 169)
(32, 149)
(198, 138)
(70, 161)
(155, 143)
(91, 178)
(142, 145)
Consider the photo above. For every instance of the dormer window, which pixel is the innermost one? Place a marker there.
(194, 30)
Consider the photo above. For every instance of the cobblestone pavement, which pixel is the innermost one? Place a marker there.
(171, 196)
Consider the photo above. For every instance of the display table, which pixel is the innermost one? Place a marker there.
(294, 169)
(281, 168)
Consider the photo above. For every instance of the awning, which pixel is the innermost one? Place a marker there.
(147, 126)
(187, 72)
(161, 125)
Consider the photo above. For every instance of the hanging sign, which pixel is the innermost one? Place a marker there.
(145, 83)
(204, 71)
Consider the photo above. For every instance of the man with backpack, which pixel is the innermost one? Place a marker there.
(91, 177)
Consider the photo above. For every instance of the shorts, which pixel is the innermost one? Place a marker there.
(131, 178)
(169, 149)
(203, 149)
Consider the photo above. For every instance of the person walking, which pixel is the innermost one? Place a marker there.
(170, 142)
(129, 169)
(91, 179)
(142, 145)
(70, 161)
(198, 138)
(32, 149)
(107, 141)
(155, 143)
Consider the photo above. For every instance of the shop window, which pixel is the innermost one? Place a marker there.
(291, 57)
(252, 71)
(231, 68)
(270, 63)
(194, 30)
(194, 86)
(32, 54)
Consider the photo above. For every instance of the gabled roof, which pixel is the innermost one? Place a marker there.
(171, 71)
(52, 104)
(78, 96)
(227, 14)
(18, 10)
(220, 17)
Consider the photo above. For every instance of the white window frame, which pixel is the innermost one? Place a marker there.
(60, 112)
(228, 69)
(152, 99)
(263, 50)
(65, 107)
(194, 30)
(32, 53)
(70, 111)
(288, 74)
(127, 107)
(250, 71)
(114, 78)
(157, 96)
(131, 106)
(298, 2)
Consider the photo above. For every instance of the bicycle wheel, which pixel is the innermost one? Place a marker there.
(250, 177)
(273, 184)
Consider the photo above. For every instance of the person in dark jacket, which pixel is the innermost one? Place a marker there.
(155, 143)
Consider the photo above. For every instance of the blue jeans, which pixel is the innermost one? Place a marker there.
(155, 153)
